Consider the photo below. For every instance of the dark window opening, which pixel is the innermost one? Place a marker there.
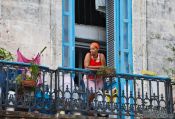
(85, 13)
(82, 47)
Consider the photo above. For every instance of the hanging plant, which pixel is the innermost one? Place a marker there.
(5, 55)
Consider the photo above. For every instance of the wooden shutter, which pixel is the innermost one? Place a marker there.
(68, 35)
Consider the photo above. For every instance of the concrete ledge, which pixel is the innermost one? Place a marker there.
(32, 115)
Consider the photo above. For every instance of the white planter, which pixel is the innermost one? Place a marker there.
(11, 93)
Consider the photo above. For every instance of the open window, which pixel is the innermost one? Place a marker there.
(81, 48)
(90, 25)
(84, 21)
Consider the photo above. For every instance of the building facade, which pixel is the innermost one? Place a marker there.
(133, 33)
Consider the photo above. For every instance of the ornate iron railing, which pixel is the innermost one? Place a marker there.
(64, 90)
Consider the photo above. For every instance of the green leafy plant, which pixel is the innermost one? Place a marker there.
(34, 69)
(106, 71)
(29, 80)
(5, 55)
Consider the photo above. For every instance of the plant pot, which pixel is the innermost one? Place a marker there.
(29, 83)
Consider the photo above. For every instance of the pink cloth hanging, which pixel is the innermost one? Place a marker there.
(22, 58)
(36, 60)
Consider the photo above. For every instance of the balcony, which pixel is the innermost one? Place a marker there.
(63, 90)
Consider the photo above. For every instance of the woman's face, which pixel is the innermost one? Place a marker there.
(93, 50)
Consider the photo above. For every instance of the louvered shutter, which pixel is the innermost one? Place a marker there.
(110, 31)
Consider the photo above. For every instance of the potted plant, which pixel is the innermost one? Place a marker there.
(106, 71)
(29, 80)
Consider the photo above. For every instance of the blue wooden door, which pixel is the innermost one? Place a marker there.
(125, 39)
(68, 35)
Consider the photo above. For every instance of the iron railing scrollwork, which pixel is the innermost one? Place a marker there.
(63, 89)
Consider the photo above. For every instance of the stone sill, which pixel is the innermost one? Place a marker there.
(32, 115)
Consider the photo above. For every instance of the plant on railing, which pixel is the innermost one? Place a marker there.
(106, 71)
(5, 55)
(171, 71)
(29, 79)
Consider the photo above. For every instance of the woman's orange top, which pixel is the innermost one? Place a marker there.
(94, 62)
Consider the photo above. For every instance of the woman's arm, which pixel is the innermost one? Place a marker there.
(87, 60)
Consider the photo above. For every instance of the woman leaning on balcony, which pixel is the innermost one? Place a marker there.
(93, 61)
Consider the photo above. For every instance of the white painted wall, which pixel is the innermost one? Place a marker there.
(153, 29)
(139, 35)
(31, 25)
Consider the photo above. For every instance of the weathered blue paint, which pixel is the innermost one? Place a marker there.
(130, 48)
(130, 36)
(123, 39)
(116, 35)
(72, 34)
(70, 44)
(62, 31)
